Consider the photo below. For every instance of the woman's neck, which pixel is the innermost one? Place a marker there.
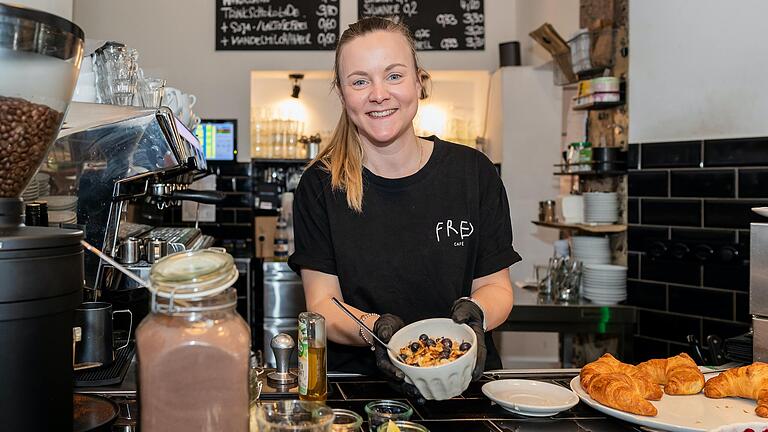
(398, 159)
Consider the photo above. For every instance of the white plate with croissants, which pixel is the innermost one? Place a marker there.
(672, 394)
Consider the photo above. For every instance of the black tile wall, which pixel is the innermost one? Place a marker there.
(667, 326)
(742, 308)
(633, 265)
(633, 210)
(698, 193)
(647, 295)
(646, 349)
(732, 213)
(703, 236)
(698, 183)
(753, 183)
(633, 156)
(673, 271)
(671, 155)
(733, 276)
(736, 152)
(699, 301)
(648, 183)
(639, 238)
(670, 212)
(723, 329)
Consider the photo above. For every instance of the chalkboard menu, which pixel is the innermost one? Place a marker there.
(436, 24)
(276, 25)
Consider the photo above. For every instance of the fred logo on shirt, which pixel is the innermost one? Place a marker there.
(454, 232)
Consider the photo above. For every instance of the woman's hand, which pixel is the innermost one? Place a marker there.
(386, 326)
(467, 312)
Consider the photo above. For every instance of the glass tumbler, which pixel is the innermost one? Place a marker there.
(404, 426)
(294, 416)
(346, 421)
(382, 411)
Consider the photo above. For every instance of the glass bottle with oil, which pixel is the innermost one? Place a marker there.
(313, 365)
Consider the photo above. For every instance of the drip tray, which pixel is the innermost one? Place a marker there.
(109, 375)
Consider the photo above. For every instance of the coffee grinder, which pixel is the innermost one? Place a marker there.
(41, 268)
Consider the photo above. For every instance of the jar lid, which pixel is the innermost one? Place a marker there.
(193, 274)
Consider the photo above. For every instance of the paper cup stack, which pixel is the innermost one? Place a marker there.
(601, 207)
(31, 192)
(604, 284)
(591, 250)
(62, 209)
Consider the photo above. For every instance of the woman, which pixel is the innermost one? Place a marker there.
(399, 228)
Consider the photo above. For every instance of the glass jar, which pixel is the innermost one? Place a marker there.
(193, 349)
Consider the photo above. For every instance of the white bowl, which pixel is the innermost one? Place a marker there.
(529, 397)
(437, 382)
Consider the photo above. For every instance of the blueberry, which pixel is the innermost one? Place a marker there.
(465, 346)
(415, 346)
(431, 342)
(447, 343)
(445, 354)
(423, 338)
(403, 357)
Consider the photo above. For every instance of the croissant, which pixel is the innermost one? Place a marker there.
(609, 364)
(679, 374)
(749, 382)
(620, 391)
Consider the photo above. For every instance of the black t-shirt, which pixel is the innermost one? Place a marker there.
(415, 248)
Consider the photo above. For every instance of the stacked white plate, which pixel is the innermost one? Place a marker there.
(604, 284)
(591, 250)
(62, 217)
(43, 184)
(31, 192)
(601, 207)
(62, 209)
(61, 202)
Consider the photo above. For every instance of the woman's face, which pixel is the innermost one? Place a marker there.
(379, 86)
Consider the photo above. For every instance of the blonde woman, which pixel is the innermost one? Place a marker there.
(399, 227)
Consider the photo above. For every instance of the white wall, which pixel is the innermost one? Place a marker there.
(62, 8)
(175, 39)
(697, 69)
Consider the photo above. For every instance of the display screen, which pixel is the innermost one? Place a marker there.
(218, 138)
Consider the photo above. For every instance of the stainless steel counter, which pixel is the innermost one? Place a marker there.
(582, 316)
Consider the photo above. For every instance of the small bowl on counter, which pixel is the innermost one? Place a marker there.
(442, 381)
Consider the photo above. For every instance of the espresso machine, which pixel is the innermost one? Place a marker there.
(116, 159)
(41, 268)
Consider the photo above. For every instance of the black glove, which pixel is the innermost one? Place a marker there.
(386, 326)
(467, 312)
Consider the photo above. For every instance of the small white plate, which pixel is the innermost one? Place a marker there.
(762, 211)
(530, 397)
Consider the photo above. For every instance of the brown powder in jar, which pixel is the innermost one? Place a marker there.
(26, 130)
(193, 376)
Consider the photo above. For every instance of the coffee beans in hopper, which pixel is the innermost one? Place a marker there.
(26, 130)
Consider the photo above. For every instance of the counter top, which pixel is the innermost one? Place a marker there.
(470, 412)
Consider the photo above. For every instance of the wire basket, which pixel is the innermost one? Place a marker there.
(591, 52)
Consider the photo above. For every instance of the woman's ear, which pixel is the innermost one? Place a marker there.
(423, 81)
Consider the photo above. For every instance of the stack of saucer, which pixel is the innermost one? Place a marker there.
(31, 192)
(43, 184)
(604, 284)
(591, 250)
(62, 209)
(601, 207)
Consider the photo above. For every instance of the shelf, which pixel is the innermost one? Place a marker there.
(598, 106)
(598, 229)
(592, 173)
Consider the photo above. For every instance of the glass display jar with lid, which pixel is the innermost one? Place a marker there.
(193, 349)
